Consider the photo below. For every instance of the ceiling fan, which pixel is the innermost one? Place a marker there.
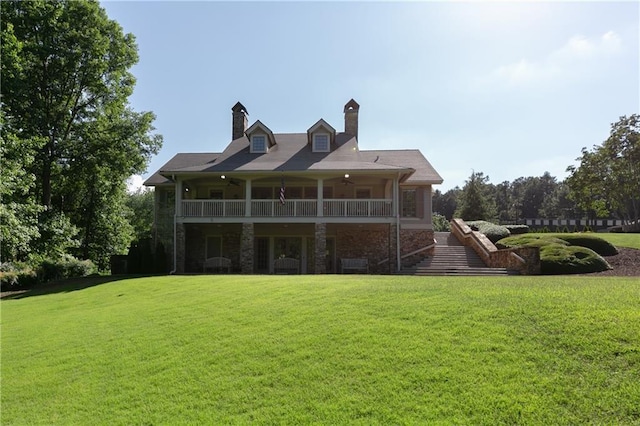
(346, 182)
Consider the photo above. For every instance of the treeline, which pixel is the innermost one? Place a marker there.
(69, 138)
(606, 184)
(508, 202)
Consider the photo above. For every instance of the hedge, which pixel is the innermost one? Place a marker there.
(492, 231)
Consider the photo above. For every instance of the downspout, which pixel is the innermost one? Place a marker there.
(397, 191)
(175, 231)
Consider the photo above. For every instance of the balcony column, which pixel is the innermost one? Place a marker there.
(180, 244)
(321, 248)
(320, 207)
(247, 198)
(246, 248)
(394, 229)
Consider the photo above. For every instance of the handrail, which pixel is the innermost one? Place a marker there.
(404, 256)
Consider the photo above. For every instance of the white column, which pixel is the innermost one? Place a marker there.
(428, 204)
(178, 186)
(320, 208)
(247, 198)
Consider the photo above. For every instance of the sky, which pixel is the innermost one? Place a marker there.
(509, 89)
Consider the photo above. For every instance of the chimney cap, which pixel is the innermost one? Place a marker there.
(238, 107)
(351, 105)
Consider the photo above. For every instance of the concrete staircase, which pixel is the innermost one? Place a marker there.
(452, 258)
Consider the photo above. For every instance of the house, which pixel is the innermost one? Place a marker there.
(315, 197)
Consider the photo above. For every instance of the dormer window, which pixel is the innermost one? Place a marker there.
(321, 142)
(261, 138)
(259, 143)
(321, 136)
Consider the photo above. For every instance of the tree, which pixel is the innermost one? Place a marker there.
(608, 177)
(140, 204)
(65, 83)
(18, 213)
(446, 203)
(476, 200)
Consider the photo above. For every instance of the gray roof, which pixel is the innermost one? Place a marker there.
(292, 152)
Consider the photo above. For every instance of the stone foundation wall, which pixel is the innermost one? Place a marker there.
(194, 249)
(246, 248)
(180, 248)
(370, 241)
(320, 245)
(412, 240)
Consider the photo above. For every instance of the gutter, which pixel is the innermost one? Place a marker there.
(397, 191)
(175, 232)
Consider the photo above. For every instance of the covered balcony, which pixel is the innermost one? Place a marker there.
(337, 197)
(290, 208)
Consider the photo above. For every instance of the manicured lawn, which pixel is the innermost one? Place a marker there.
(617, 239)
(621, 240)
(325, 350)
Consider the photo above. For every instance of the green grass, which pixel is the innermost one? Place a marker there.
(325, 350)
(621, 240)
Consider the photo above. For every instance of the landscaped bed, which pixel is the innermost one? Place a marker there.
(580, 253)
(324, 349)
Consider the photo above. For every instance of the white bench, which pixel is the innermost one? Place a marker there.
(358, 265)
(217, 264)
(286, 265)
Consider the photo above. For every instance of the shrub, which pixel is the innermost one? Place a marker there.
(517, 229)
(597, 244)
(529, 240)
(65, 267)
(558, 256)
(561, 259)
(440, 223)
(492, 231)
(17, 276)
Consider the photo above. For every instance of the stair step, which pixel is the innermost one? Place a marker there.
(453, 258)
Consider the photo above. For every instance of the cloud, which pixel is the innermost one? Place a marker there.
(134, 184)
(576, 58)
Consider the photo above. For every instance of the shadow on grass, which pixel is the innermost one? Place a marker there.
(66, 286)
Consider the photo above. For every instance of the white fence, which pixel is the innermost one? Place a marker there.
(291, 208)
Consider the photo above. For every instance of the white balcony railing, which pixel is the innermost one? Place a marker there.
(291, 208)
(358, 208)
(213, 208)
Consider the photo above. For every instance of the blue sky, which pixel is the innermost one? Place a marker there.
(508, 89)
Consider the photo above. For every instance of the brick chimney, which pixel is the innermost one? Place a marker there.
(239, 121)
(351, 118)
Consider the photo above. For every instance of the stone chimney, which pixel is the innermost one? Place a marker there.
(239, 121)
(351, 118)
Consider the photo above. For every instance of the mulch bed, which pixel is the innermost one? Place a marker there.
(625, 264)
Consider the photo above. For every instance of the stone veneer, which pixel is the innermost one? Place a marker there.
(246, 248)
(373, 242)
(320, 248)
(180, 248)
(415, 239)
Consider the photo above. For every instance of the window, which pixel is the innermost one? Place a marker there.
(327, 192)
(258, 143)
(216, 194)
(310, 192)
(293, 192)
(363, 193)
(409, 203)
(321, 142)
(261, 193)
(214, 247)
